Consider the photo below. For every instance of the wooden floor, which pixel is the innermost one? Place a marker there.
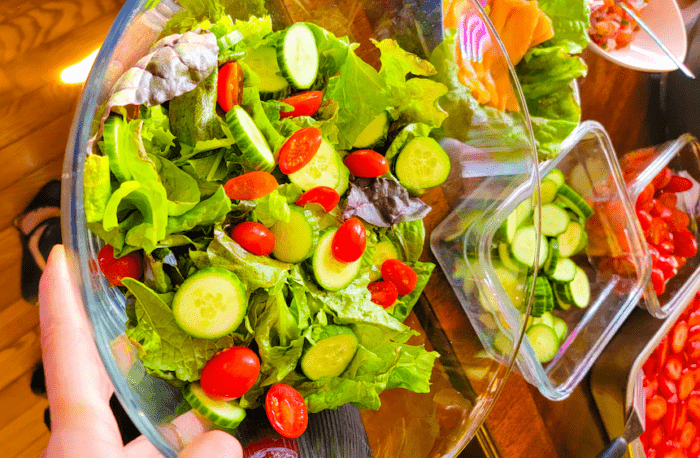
(38, 39)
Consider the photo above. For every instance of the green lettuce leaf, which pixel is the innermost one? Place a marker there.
(193, 116)
(404, 304)
(410, 236)
(181, 189)
(206, 213)
(271, 208)
(156, 135)
(96, 182)
(571, 21)
(163, 346)
(254, 271)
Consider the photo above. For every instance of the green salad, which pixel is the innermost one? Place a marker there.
(228, 135)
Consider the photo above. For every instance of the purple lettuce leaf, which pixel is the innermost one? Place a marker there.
(383, 202)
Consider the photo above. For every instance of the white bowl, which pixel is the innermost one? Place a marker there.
(664, 18)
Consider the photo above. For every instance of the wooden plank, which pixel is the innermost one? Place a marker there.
(18, 398)
(17, 319)
(54, 57)
(19, 358)
(36, 447)
(11, 270)
(26, 26)
(13, 200)
(21, 433)
(20, 117)
(34, 151)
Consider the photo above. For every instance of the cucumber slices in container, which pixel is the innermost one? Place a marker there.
(560, 282)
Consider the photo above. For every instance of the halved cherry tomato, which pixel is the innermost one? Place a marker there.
(277, 447)
(251, 185)
(349, 241)
(645, 219)
(657, 230)
(366, 163)
(668, 265)
(305, 104)
(229, 86)
(116, 269)
(384, 293)
(678, 184)
(326, 196)
(685, 244)
(299, 149)
(230, 373)
(658, 281)
(679, 219)
(286, 410)
(645, 197)
(668, 199)
(400, 274)
(662, 179)
(254, 237)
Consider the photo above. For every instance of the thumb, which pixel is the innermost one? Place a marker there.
(213, 444)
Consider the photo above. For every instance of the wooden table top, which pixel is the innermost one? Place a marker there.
(39, 38)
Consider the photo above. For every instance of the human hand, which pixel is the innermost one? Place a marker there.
(82, 423)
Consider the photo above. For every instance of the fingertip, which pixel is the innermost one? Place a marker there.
(215, 444)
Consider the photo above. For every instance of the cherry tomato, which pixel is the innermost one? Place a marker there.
(254, 237)
(286, 410)
(117, 269)
(384, 293)
(277, 447)
(305, 104)
(229, 86)
(657, 230)
(327, 197)
(662, 179)
(299, 149)
(678, 184)
(644, 219)
(668, 265)
(658, 281)
(646, 196)
(366, 163)
(679, 219)
(668, 199)
(400, 274)
(230, 373)
(685, 244)
(251, 185)
(349, 241)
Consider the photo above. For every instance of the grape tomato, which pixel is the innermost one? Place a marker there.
(366, 163)
(325, 196)
(349, 241)
(254, 237)
(286, 410)
(116, 269)
(383, 293)
(304, 104)
(230, 373)
(299, 149)
(400, 274)
(250, 186)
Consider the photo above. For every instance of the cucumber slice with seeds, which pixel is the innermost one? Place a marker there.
(422, 164)
(556, 176)
(506, 258)
(324, 169)
(263, 61)
(329, 355)
(554, 220)
(575, 202)
(295, 240)
(560, 328)
(548, 191)
(544, 342)
(572, 240)
(225, 414)
(255, 152)
(331, 274)
(383, 250)
(564, 271)
(580, 289)
(298, 56)
(525, 244)
(210, 303)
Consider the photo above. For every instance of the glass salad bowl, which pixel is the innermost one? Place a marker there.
(487, 137)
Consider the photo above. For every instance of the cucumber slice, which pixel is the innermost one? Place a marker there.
(554, 220)
(210, 304)
(524, 245)
(547, 319)
(295, 240)
(502, 344)
(580, 289)
(323, 170)
(572, 240)
(543, 300)
(544, 342)
(297, 57)
(263, 61)
(564, 271)
(550, 264)
(331, 274)
(374, 133)
(383, 250)
(560, 328)
(560, 303)
(556, 176)
(422, 164)
(505, 257)
(548, 191)
(575, 202)
(255, 152)
(334, 348)
(225, 414)
(512, 285)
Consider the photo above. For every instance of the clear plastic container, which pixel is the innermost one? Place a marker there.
(466, 380)
(640, 167)
(590, 167)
